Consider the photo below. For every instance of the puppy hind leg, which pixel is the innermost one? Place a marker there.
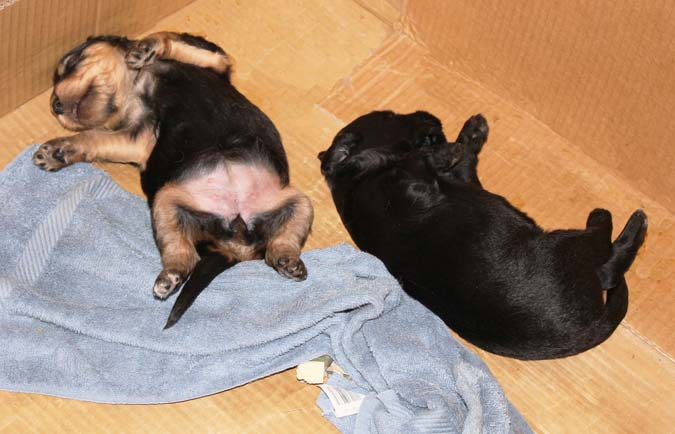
(624, 249)
(474, 133)
(457, 162)
(598, 242)
(600, 220)
(285, 243)
(181, 47)
(176, 247)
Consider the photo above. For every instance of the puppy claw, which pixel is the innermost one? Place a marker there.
(166, 283)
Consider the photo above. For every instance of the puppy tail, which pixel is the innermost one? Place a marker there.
(210, 266)
(615, 310)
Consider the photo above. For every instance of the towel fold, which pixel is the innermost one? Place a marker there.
(78, 320)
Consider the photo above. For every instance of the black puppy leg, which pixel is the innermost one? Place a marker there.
(457, 162)
(181, 47)
(600, 221)
(474, 133)
(599, 236)
(624, 250)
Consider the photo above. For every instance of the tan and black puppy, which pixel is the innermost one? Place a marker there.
(212, 163)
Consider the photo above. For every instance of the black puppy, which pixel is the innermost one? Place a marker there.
(412, 199)
(212, 164)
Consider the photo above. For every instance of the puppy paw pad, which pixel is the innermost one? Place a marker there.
(291, 267)
(477, 126)
(166, 283)
(53, 156)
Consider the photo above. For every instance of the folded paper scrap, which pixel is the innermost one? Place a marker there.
(78, 320)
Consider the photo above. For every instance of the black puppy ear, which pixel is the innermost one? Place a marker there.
(321, 155)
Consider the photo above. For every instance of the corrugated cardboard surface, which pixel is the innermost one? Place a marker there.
(600, 73)
(626, 385)
(313, 67)
(35, 33)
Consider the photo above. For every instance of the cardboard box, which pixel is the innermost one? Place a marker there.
(579, 96)
(34, 34)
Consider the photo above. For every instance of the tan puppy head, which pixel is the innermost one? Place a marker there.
(92, 84)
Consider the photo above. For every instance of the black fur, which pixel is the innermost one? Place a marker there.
(414, 200)
(202, 120)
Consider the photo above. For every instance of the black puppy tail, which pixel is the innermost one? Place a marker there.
(208, 267)
(615, 310)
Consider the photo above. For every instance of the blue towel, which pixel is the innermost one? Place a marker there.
(78, 320)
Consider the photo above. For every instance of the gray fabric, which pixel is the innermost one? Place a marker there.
(78, 320)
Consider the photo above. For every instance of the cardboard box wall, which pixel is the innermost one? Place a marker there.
(599, 73)
(34, 34)
(315, 65)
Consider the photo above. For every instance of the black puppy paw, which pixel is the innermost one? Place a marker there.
(599, 218)
(474, 133)
(635, 230)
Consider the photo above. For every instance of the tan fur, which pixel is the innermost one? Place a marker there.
(167, 45)
(96, 145)
(288, 240)
(175, 245)
(103, 69)
(292, 235)
(101, 98)
(119, 147)
(237, 251)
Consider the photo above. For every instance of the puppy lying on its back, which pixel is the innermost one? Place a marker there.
(212, 164)
(414, 200)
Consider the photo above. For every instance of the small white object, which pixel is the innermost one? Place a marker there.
(314, 371)
(345, 402)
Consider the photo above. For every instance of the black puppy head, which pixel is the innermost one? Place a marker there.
(383, 131)
(91, 82)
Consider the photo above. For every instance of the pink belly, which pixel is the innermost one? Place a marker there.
(234, 189)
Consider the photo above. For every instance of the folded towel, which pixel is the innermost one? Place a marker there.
(78, 320)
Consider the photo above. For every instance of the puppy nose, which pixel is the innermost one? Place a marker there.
(57, 107)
